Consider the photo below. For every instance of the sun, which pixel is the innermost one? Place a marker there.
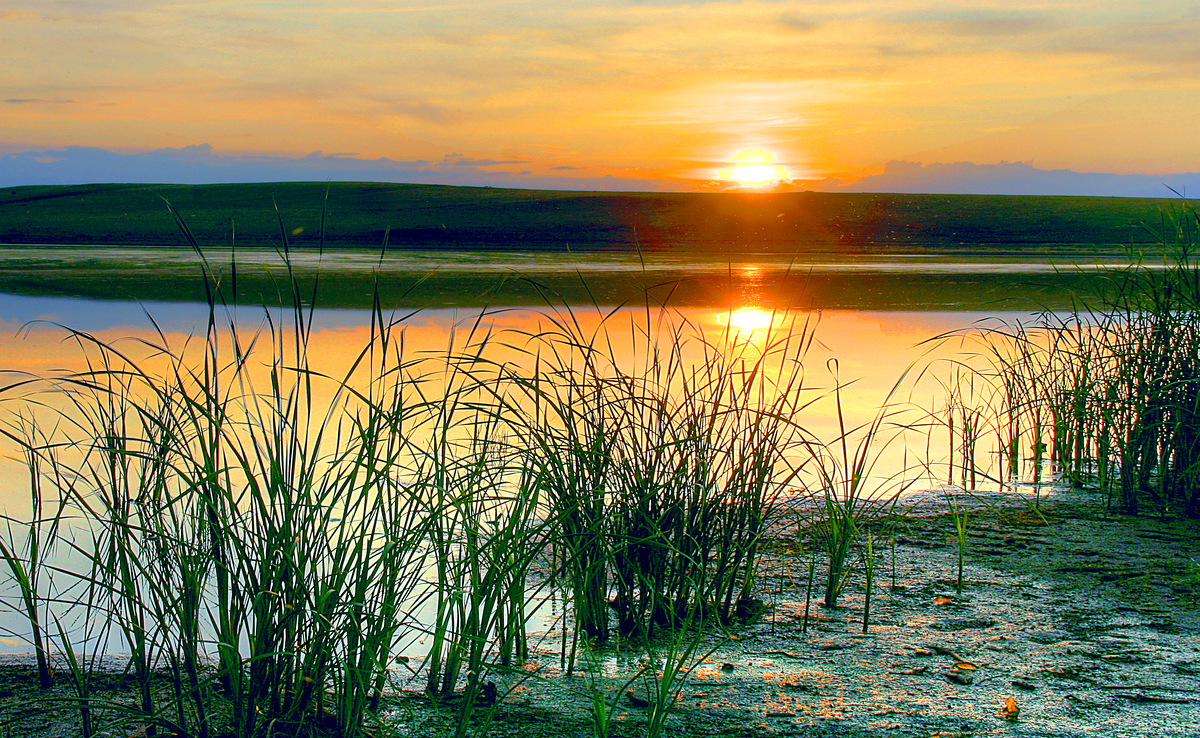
(754, 167)
(754, 173)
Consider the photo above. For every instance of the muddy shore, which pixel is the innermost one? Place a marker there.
(1090, 622)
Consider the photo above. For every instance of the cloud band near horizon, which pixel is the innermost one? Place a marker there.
(201, 165)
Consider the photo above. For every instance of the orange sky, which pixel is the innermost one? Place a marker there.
(655, 91)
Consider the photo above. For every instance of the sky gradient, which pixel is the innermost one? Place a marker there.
(617, 95)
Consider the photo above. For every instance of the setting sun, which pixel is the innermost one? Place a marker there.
(755, 174)
(754, 167)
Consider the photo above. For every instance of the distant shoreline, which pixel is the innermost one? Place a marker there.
(435, 217)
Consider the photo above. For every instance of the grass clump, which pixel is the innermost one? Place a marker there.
(1106, 394)
(270, 533)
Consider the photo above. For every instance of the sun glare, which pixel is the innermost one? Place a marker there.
(747, 319)
(754, 167)
(754, 173)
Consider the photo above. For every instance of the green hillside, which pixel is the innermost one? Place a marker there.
(432, 216)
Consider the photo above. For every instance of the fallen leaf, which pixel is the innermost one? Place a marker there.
(1010, 710)
(942, 600)
(965, 666)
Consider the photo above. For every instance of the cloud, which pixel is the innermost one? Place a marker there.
(795, 24)
(458, 160)
(199, 164)
(423, 111)
(1012, 178)
(984, 21)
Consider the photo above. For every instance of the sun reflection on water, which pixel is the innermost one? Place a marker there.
(748, 319)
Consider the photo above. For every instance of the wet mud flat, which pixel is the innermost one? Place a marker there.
(1089, 622)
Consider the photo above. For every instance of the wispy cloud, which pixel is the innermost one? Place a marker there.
(984, 21)
(458, 160)
(792, 23)
(637, 88)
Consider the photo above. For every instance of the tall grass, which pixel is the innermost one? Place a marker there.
(27, 560)
(263, 530)
(1107, 393)
(663, 454)
(851, 488)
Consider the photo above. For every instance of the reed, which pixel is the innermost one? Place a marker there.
(869, 571)
(959, 515)
(685, 651)
(260, 528)
(27, 560)
(253, 525)
(663, 454)
(263, 529)
(1108, 391)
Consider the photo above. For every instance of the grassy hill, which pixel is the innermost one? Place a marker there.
(432, 216)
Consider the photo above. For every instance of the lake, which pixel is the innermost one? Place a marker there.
(873, 314)
(864, 323)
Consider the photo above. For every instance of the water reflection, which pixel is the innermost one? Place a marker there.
(871, 350)
(747, 319)
(351, 278)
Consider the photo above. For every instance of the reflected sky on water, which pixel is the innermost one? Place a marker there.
(411, 279)
(865, 351)
(873, 317)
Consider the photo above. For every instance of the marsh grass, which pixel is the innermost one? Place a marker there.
(664, 455)
(852, 488)
(869, 572)
(27, 560)
(245, 521)
(960, 516)
(1106, 394)
(265, 531)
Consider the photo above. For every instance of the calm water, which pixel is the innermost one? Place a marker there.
(349, 279)
(873, 319)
